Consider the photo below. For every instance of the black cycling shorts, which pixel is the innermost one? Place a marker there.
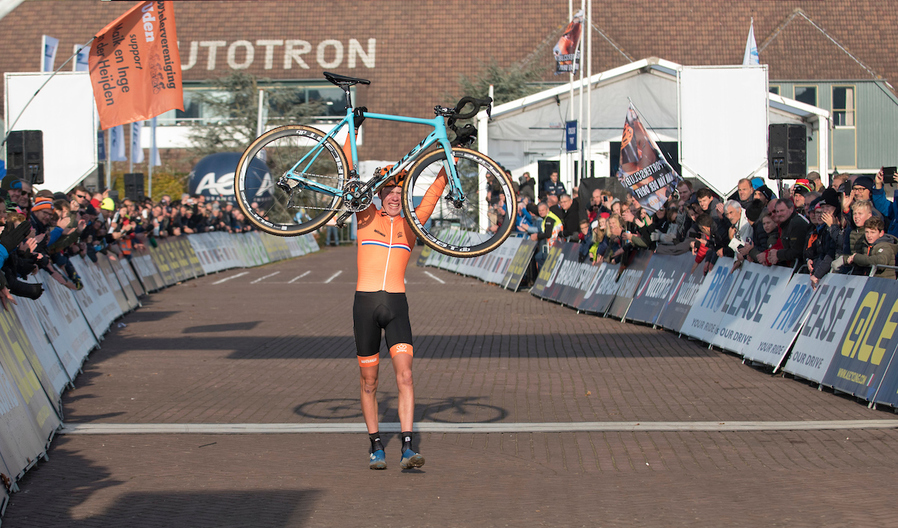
(376, 311)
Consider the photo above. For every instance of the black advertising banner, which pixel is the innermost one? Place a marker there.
(570, 278)
(866, 349)
(830, 311)
(600, 290)
(683, 295)
(422, 257)
(519, 264)
(627, 284)
(539, 286)
(661, 278)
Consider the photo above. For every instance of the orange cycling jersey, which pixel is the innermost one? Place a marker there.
(386, 242)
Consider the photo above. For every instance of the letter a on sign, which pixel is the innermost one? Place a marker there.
(135, 67)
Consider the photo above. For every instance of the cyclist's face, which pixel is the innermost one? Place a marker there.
(392, 200)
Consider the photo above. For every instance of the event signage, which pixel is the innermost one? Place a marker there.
(135, 67)
(705, 315)
(628, 283)
(829, 313)
(569, 276)
(773, 336)
(644, 171)
(600, 289)
(545, 272)
(519, 264)
(866, 348)
(567, 49)
(683, 295)
(659, 281)
(757, 292)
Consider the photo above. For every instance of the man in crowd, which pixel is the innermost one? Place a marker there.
(793, 232)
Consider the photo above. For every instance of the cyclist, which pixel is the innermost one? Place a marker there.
(385, 245)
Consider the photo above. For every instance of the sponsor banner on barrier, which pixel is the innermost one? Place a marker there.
(115, 283)
(830, 311)
(28, 313)
(888, 389)
(758, 291)
(600, 290)
(74, 338)
(127, 287)
(628, 282)
(683, 296)
(546, 271)
(25, 370)
(146, 270)
(422, 257)
(124, 266)
(105, 285)
(42, 371)
(867, 347)
(20, 441)
(782, 319)
(705, 314)
(519, 264)
(660, 280)
(570, 278)
(96, 298)
(166, 275)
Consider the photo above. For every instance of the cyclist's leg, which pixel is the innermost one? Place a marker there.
(398, 333)
(367, 342)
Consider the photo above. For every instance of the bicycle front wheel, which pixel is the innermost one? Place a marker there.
(470, 228)
(306, 206)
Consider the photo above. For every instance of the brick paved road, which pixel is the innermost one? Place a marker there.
(280, 350)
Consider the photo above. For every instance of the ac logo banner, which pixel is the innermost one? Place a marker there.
(135, 67)
(628, 283)
(682, 297)
(864, 352)
(829, 312)
(600, 290)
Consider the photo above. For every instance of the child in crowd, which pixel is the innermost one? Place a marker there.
(878, 248)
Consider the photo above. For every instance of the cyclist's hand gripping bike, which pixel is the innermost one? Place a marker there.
(312, 180)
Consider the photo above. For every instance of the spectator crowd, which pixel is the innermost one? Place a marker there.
(44, 230)
(849, 226)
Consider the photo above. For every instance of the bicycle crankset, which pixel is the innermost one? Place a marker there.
(357, 196)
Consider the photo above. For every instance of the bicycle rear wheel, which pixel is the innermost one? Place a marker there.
(266, 205)
(477, 226)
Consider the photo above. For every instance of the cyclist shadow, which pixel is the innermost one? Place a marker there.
(454, 409)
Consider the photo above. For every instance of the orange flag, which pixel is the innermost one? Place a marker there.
(135, 67)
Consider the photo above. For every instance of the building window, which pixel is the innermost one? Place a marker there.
(806, 95)
(774, 89)
(843, 106)
(285, 101)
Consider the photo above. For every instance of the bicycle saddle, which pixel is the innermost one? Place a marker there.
(342, 80)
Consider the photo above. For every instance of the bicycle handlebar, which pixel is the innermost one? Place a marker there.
(477, 104)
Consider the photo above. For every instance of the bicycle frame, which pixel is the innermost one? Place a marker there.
(437, 136)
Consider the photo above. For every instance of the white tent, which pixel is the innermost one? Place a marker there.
(524, 131)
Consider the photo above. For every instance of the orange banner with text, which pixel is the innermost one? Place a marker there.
(135, 67)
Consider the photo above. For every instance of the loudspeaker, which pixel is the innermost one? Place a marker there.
(787, 157)
(25, 155)
(134, 186)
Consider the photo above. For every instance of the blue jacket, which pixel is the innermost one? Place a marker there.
(888, 209)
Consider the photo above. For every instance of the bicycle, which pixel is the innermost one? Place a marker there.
(323, 182)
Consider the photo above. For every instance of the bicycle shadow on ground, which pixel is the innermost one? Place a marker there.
(453, 409)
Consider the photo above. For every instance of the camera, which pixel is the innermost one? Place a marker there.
(888, 174)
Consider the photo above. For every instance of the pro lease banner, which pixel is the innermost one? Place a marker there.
(705, 315)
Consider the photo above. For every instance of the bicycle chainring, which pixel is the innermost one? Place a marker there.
(357, 196)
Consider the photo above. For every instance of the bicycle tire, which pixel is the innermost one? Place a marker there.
(467, 239)
(283, 147)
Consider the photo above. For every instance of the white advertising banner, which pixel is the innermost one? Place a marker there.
(782, 318)
(705, 315)
(754, 292)
(830, 312)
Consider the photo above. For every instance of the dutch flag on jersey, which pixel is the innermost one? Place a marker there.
(386, 245)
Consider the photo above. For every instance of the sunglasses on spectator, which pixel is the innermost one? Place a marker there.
(83, 196)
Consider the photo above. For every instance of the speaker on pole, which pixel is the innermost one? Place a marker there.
(787, 156)
(134, 186)
(25, 155)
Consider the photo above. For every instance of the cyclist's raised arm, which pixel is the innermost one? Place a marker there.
(432, 196)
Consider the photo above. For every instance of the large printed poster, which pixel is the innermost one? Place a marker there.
(643, 169)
